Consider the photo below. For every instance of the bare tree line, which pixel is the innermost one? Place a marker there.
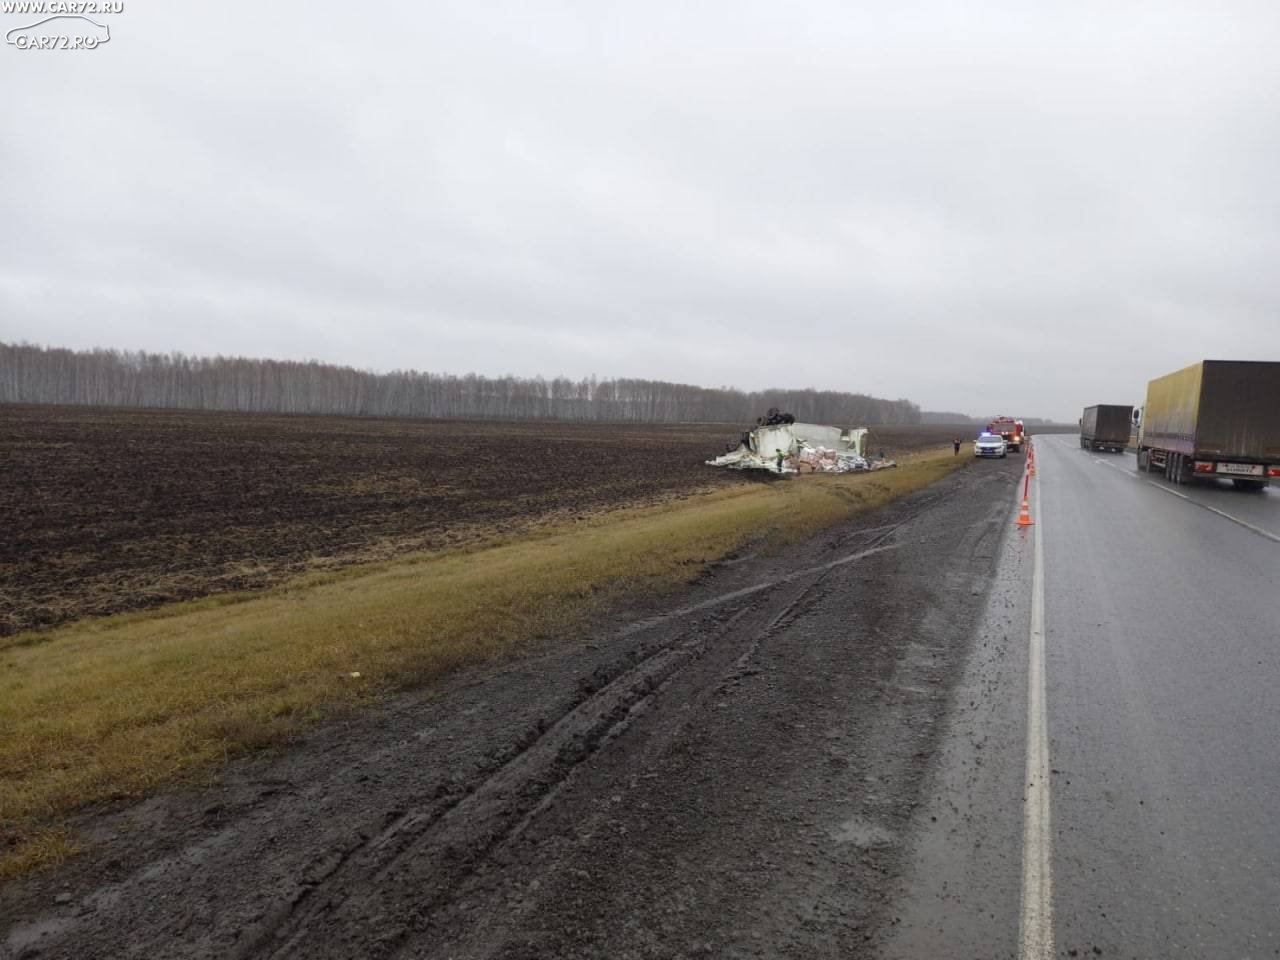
(942, 416)
(945, 416)
(34, 374)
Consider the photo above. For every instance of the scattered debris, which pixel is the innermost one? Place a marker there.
(780, 445)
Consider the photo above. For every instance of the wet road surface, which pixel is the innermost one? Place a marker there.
(1162, 695)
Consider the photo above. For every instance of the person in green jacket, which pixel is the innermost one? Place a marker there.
(781, 456)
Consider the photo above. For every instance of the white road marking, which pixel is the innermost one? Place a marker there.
(1222, 513)
(1163, 488)
(1036, 928)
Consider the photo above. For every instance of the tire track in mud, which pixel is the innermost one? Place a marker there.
(456, 835)
(427, 828)
(691, 802)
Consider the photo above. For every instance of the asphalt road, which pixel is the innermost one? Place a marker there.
(1161, 683)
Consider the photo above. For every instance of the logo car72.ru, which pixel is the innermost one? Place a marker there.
(56, 35)
(62, 6)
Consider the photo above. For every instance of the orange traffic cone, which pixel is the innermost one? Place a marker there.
(1024, 515)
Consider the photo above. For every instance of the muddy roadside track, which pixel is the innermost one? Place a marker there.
(728, 774)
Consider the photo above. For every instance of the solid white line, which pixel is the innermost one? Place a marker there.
(1036, 927)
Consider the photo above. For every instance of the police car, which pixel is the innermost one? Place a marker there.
(990, 445)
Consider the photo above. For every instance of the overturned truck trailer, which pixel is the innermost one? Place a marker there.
(808, 447)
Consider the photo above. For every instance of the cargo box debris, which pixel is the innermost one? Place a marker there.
(805, 447)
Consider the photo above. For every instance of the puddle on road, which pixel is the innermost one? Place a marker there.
(862, 833)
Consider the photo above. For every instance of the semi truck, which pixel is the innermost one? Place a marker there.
(1010, 429)
(1214, 419)
(1105, 426)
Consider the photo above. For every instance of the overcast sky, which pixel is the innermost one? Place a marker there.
(985, 207)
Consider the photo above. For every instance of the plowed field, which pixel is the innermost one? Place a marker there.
(104, 511)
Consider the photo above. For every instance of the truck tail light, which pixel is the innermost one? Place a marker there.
(1204, 467)
(1273, 471)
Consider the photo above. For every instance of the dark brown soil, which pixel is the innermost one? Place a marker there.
(109, 510)
(732, 774)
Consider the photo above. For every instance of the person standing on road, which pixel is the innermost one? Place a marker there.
(781, 456)
(956, 443)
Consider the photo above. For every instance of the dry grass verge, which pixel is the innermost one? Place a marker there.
(114, 708)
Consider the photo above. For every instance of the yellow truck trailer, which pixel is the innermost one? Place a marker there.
(1215, 418)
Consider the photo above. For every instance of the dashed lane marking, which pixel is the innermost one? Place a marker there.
(1222, 513)
(1192, 500)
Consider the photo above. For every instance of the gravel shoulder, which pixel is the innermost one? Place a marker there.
(732, 772)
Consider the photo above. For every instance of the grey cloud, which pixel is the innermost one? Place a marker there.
(1026, 211)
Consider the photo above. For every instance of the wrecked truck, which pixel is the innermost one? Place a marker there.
(806, 447)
